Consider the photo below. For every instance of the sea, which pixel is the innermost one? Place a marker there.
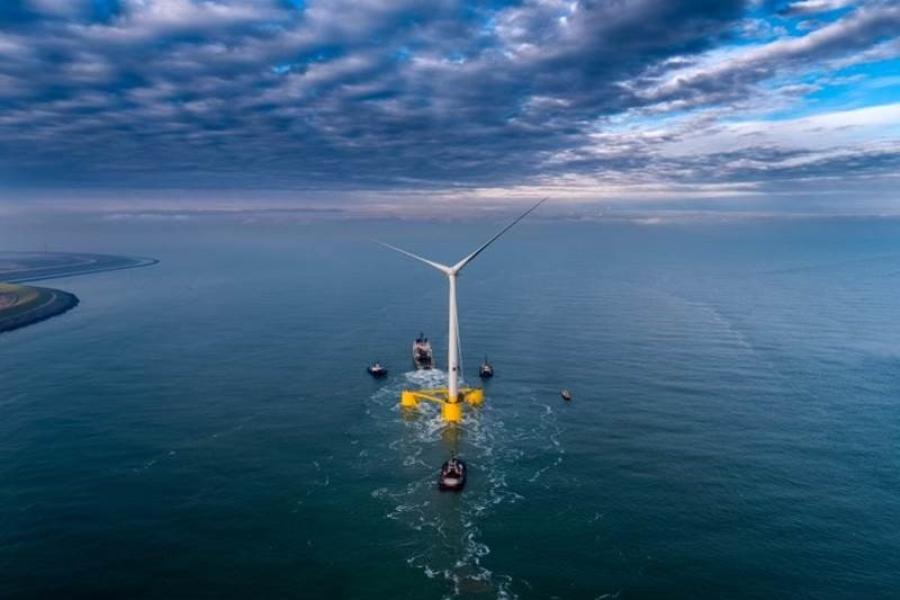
(205, 427)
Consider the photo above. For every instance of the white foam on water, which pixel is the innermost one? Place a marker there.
(452, 546)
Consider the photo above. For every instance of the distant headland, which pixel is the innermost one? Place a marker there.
(22, 305)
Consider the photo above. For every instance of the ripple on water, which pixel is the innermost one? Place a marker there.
(451, 545)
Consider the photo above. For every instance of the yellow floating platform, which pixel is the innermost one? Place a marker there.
(451, 409)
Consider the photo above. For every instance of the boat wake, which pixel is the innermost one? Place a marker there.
(451, 546)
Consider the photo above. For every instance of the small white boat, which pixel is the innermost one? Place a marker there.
(376, 370)
(486, 370)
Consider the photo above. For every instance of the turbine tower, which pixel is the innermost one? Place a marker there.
(453, 396)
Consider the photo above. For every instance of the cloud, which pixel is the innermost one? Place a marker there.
(732, 75)
(806, 7)
(377, 94)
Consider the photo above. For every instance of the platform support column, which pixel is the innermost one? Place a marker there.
(451, 412)
(408, 399)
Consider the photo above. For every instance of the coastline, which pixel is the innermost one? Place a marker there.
(23, 305)
(56, 265)
(46, 303)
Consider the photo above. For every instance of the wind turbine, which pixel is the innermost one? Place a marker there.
(452, 272)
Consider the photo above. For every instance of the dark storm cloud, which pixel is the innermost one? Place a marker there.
(361, 93)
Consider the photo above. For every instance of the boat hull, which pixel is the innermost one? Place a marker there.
(422, 355)
(452, 483)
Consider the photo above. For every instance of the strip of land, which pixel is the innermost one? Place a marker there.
(22, 305)
(20, 267)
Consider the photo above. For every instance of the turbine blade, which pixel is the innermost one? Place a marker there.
(442, 268)
(458, 266)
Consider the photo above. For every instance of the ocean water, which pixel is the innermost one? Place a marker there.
(204, 428)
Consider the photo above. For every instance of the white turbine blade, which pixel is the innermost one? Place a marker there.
(458, 266)
(442, 268)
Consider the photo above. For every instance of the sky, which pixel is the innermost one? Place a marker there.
(315, 104)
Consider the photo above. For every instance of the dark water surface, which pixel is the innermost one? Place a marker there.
(204, 428)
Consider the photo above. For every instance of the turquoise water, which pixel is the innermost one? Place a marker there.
(205, 428)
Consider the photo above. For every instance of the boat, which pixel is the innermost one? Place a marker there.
(421, 353)
(453, 476)
(486, 370)
(376, 370)
(566, 395)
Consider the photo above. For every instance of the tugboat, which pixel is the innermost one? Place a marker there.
(421, 352)
(453, 475)
(486, 370)
(566, 395)
(376, 370)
